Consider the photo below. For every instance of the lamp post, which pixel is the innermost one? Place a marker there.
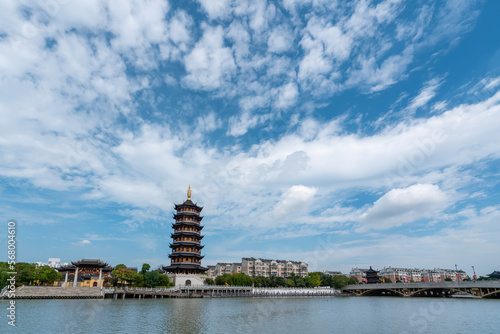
(456, 272)
(474, 271)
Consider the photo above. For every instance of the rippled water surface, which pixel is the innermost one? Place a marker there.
(256, 315)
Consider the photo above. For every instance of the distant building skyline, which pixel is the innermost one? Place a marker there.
(406, 275)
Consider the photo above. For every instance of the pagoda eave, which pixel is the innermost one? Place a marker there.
(181, 224)
(186, 234)
(186, 254)
(184, 266)
(186, 243)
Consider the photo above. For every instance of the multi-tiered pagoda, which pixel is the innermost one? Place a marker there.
(186, 246)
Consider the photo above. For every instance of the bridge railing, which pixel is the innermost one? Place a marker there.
(419, 285)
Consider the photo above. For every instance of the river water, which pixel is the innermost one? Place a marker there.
(256, 315)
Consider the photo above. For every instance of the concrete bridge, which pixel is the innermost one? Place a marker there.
(473, 289)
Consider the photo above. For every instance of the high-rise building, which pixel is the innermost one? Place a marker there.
(186, 246)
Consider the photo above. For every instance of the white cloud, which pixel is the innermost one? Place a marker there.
(405, 205)
(377, 78)
(280, 40)
(287, 96)
(209, 64)
(239, 125)
(476, 232)
(293, 202)
(491, 83)
(83, 242)
(208, 123)
(314, 63)
(331, 39)
(216, 8)
(425, 95)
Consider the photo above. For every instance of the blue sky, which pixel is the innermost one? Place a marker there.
(341, 134)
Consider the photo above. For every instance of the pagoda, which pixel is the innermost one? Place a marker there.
(186, 246)
(371, 276)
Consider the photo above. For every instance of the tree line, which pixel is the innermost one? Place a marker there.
(29, 274)
(312, 280)
(33, 274)
(121, 276)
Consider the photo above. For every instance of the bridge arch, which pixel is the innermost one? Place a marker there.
(378, 292)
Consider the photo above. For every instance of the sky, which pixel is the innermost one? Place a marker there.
(343, 134)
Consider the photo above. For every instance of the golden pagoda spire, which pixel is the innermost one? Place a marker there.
(189, 193)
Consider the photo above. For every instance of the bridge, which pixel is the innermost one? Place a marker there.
(472, 289)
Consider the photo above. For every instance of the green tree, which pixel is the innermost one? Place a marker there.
(151, 278)
(340, 281)
(240, 280)
(4, 269)
(126, 276)
(299, 282)
(312, 280)
(222, 279)
(26, 273)
(47, 275)
(447, 279)
(164, 280)
(281, 281)
(145, 268)
(209, 281)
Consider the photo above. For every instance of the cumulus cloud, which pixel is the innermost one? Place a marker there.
(128, 101)
(210, 63)
(405, 205)
(287, 96)
(294, 201)
(216, 8)
(280, 40)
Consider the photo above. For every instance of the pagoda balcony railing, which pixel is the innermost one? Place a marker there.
(187, 254)
(185, 251)
(180, 229)
(186, 233)
(187, 214)
(187, 223)
(194, 243)
(189, 244)
(185, 220)
(197, 242)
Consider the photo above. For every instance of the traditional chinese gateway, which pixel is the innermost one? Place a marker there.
(86, 272)
(186, 246)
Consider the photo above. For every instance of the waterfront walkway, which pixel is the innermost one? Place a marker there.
(54, 292)
(215, 291)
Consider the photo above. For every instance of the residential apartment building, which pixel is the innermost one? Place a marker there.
(260, 267)
(227, 268)
(359, 274)
(273, 268)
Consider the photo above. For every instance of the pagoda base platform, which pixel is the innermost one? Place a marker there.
(187, 279)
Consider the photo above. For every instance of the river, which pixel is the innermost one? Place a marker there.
(256, 315)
